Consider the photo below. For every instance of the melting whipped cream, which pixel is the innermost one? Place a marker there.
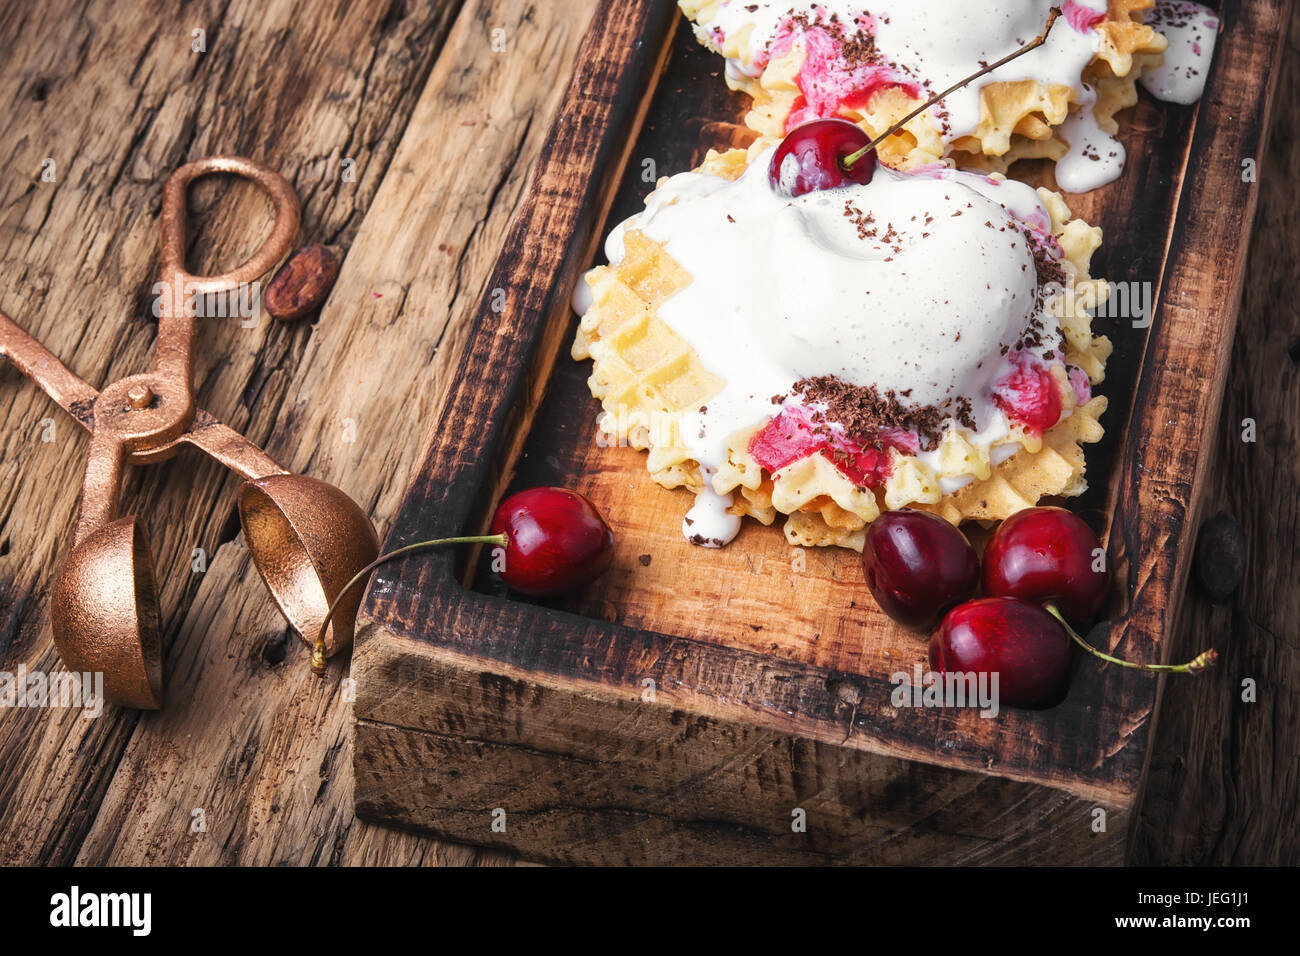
(927, 43)
(1095, 157)
(1192, 31)
(917, 283)
(708, 523)
(925, 46)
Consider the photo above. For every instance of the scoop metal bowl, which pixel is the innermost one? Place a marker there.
(308, 540)
(104, 613)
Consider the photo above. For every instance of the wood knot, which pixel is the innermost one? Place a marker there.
(844, 691)
(1220, 558)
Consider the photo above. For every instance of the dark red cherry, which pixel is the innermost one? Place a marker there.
(918, 566)
(1048, 555)
(1021, 643)
(556, 541)
(811, 157)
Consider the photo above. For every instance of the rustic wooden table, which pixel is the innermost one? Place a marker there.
(408, 130)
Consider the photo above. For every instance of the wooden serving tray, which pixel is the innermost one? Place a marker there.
(690, 704)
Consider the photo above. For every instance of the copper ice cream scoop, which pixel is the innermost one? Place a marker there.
(306, 537)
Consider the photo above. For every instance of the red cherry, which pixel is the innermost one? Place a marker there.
(918, 566)
(556, 541)
(1020, 642)
(1046, 555)
(811, 157)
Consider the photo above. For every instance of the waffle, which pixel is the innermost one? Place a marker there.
(646, 376)
(1020, 119)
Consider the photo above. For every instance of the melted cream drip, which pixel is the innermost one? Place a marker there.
(708, 523)
(1192, 31)
(1095, 157)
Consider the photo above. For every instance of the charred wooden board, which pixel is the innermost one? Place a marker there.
(440, 130)
(693, 702)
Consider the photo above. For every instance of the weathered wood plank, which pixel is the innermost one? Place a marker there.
(116, 102)
(1225, 779)
(593, 776)
(248, 736)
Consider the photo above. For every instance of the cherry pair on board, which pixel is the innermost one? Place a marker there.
(1043, 575)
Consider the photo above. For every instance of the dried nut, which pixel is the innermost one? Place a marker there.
(302, 283)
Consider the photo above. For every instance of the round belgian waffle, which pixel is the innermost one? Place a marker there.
(646, 376)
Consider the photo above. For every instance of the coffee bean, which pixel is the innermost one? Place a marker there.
(302, 284)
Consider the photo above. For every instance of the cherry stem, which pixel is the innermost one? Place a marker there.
(1202, 662)
(1033, 44)
(318, 651)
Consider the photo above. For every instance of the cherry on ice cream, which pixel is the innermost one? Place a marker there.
(811, 157)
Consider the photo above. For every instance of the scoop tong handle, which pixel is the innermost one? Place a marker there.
(173, 353)
(144, 418)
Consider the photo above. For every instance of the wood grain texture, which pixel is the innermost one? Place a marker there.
(443, 130)
(1225, 777)
(597, 778)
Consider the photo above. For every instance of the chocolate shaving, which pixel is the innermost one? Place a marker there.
(864, 411)
(1047, 266)
(857, 49)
